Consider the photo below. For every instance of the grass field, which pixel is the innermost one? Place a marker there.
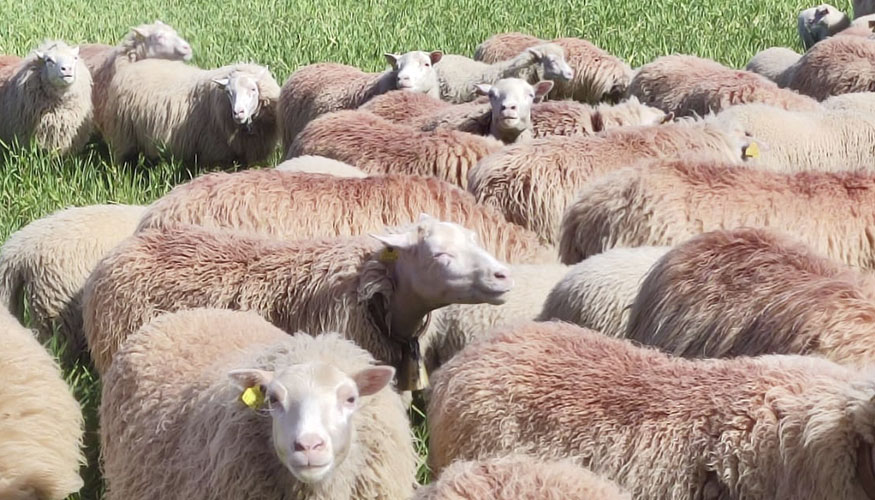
(287, 34)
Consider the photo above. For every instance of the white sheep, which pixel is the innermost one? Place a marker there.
(773, 63)
(320, 165)
(46, 99)
(177, 422)
(458, 75)
(511, 101)
(817, 23)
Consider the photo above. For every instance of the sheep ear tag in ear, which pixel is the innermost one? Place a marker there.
(252, 397)
(752, 151)
(389, 255)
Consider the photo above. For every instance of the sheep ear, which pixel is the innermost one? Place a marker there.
(668, 117)
(536, 52)
(371, 380)
(400, 240)
(482, 88)
(392, 59)
(250, 377)
(542, 88)
(40, 55)
(140, 33)
(437, 55)
(222, 82)
(75, 50)
(872, 25)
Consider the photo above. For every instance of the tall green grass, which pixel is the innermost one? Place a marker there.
(287, 34)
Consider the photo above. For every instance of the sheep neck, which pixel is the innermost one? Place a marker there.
(407, 310)
(521, 66)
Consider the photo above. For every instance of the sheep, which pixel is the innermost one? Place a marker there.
(826, 140)
(669, 202)
(209, 117)
(598, 292)
(345, 207)
(511, 100)
(519, 477)
(320, 165)
(688, 85)
(772, 63)
(376, 290)
(818, 23)
(531, 184)
(771, 427)
(855, 101)
(598, 76)
(46, 100)
(458, 75)
(9, 60)
(863, 8)
(41, 424)
(378, 146)
(173, 423)
(837, 65)
(322, 88)
(453, 327)
(399, 106)
(48, 261)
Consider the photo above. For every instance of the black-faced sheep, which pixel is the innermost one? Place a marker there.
(818, 23)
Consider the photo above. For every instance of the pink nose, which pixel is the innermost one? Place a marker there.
(309, 442)
(500, 275)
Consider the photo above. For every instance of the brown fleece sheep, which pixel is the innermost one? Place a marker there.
(748, 292)
(837, 65)
(285, 204)
(379, 146)
(519, 477)
(688, 85)
(533, 183)
(598, 76)
(766, 428)
(669, 202)
(399, 106)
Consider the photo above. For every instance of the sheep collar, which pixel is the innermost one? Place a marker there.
(411, 374)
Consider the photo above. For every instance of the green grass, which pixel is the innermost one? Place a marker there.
(287, 34)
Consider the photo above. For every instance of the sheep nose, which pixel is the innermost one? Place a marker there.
(512, 107)
(500, 275)
(309, 442)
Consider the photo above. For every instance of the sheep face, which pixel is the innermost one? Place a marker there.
(442, 263)
(414, 71)
(312, 407)
(512, 100)
(551, 58)
(160, 41)
(242, 91)
(59, 64)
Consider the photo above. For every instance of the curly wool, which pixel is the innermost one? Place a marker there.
(837, 65)
(172, 425)
(400, 106)
(772, 427)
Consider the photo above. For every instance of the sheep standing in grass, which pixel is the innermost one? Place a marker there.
(48, 261)
(770, 427)
(41, 424)
(837, 65)
(325, 206)
(773, 63)
(320, 165)
(173, 424)
(598, 292)
(688, 85)
(378, 146)
(375, 290)
(519, 477)
(598, 76)
(818, 23)
(458, 75)
(46, 99)
(669, 202)
(532, 183)
(210, 117)
(326, 87)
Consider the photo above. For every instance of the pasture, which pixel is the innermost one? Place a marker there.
(285, 35)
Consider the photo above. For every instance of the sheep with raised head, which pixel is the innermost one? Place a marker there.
(209, 117)
(41, 424)
(818, 23)
(511, 101)
(48, 261)
(669, 202)
(598, 292)
(598, 75)
(458, 75)
(519, 477)
(773, 63)
(375, 290)
(45, 99)
(532, 183)
(345, 207)
(837, 65)
(320, 165)
(770, 427)
(689, 85)
(173, 423)
(322, 88)
(378, 146)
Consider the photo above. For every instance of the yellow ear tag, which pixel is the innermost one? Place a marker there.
(752, 151)
(252, 397)
(389, 255)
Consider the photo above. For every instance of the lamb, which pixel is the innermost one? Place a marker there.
(863, 8)
(598, 76)
(378, 146)
(519, 477)
(773, 63)
(42, 425)
(598, 292)
(328, 427)
(458, 75)
(689, 85)
(320, 165)
(48, 261)
(453, 327)
(209, 117)
(325, 206)
(46, 100)
(376, 290)
(531, 184)
(669, 202)
(818, 23)
(837, 65)
(826, 140)
(322, 88)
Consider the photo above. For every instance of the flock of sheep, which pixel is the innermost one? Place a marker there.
(610, 283)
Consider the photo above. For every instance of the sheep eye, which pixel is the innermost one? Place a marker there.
(427, 65)
(350, 400)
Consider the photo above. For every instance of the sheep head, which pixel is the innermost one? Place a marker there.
(414, 71)
(159, 41)
(551, 58)
(511, 100)
(243, 93)
(59, 63)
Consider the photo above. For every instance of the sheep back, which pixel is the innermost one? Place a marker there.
(837, 65)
